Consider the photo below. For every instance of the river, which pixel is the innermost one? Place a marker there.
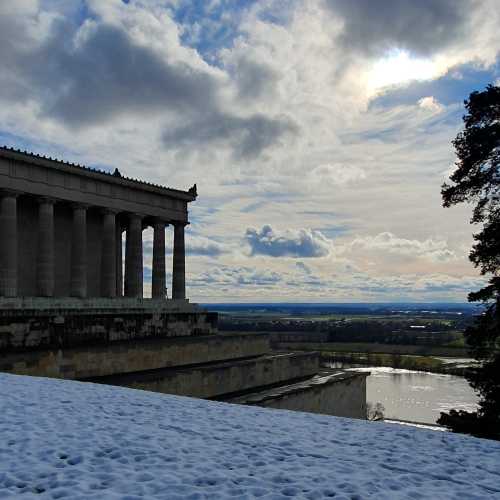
(416, 396)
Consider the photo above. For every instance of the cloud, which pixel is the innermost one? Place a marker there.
(335, 175)
(200, 245)
(423, 27)
(436, 250)
(431, 104)
(97, 72)
(237, 276)
(303, 267)
(303, 243)
(247, 136)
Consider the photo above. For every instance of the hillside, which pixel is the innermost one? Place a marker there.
(65, 439)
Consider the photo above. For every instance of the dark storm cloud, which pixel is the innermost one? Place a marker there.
(86, 80)
(108, 74)
(420, 26)
(301, 243)
(248, 136)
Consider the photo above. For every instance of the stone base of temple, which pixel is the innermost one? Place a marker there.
(170, 348)
(28, 324)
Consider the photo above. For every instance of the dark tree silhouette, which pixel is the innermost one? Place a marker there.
(476, 180)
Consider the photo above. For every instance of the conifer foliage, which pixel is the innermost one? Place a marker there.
(476, 180)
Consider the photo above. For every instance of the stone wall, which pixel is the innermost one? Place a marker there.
(342, 394)
(223, 378)
(125, 357)
(63, 327)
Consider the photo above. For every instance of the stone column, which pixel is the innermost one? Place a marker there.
(179, 263)
(119, 260)
(108, 261)
(158, 281)
(79, 252)
(133, 257)
(8, 244)
(45, 257)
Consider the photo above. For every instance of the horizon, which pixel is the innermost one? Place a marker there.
(318, 132)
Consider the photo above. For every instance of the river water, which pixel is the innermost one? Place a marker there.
(416, 396)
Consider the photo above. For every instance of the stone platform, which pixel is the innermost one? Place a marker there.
(168, 346)
(38, 323)
(212, 380)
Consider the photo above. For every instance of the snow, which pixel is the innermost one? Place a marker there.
(65, 439)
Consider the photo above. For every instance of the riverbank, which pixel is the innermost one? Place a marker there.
(409, 357)
(418, 363)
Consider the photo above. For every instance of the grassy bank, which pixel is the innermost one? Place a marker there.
(374, 348)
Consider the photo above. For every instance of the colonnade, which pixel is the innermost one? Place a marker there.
(111, 279)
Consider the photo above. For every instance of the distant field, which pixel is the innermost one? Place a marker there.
(266, 316)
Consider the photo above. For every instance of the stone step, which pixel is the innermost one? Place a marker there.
(133, 356)
(330, 392)
(215, 380)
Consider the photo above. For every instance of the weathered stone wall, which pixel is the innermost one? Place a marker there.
(32, 329)
(139, 355)
(343, 396)
(223, 378)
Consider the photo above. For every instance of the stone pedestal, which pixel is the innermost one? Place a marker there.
(8, 244)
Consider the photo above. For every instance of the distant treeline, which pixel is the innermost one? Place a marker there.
(411, 331)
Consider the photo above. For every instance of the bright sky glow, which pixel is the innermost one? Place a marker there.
(400, 67)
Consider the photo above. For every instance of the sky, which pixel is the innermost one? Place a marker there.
(318, 132)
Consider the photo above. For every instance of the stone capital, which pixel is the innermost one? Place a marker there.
(135, 215)
(46, 200)
(79, 206)
(159, 221)
(9, 193)
(177, 223)
(110, 211)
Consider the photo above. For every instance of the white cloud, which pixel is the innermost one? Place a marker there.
(290, 243)
(436, 250)
(430, 103)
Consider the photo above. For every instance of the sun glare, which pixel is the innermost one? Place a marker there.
(399, 67)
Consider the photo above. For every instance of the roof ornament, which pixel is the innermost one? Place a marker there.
(117, 173)
(193, 190)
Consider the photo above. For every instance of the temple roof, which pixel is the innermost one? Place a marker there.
(115, 177)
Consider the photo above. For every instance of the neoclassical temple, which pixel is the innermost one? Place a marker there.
(62, 225)
(72, 306)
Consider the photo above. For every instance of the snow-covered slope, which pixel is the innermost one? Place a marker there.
(63, 439)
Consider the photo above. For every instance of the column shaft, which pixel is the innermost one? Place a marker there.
(8, 245)
(79, 252)
(133, 257)
(108, 261)
(179, 264)
(158, 281)
(45, 257)
(119, 261)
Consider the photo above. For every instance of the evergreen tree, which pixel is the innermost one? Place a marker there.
(476, 180)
